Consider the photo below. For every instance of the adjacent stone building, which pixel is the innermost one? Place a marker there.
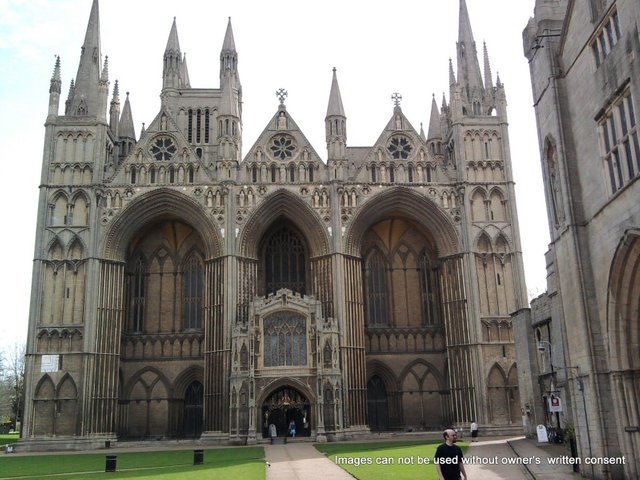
(585, 344)
(183, 289)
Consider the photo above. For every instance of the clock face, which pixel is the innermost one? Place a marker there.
(399, 147)
(282, 147)
(163, 149)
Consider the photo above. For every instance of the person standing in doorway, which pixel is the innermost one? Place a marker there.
(448, 458)
(292, 428)
(474, 431)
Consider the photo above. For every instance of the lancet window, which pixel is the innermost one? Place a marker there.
(376, 290)
(192, 293)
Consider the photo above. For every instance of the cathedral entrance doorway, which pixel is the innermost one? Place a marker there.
(378, 404)
(283, 406)
(193, 401)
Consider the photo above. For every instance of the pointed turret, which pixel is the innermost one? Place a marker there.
(55, 88)
(422, 135)
(127, 132)
(172, 68)
(435, 127)
(67, 103)
(86, 98)
(228, 54)
(452, 76)
(103, 89)
(185, 72)
(114, 110)
(469, 75)
(488, 79)
(229, 65)
(229, 119)
(335, 123)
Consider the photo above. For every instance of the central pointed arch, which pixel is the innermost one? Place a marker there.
(284, 204)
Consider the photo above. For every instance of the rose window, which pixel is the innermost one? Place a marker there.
(399, 147)
(163, 149)
(282, 147)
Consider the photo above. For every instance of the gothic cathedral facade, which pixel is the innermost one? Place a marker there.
(181, 289)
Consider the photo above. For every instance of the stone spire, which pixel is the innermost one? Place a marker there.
(452, 76)
(114, 110)
(185, 72)
(488, 79)
(172, 69)
(229, 55)
(335, 100)
(55, 88)
(127, 130)
(335, 123)
(423, 137)
(468, 67)
(86, 98)
(435, 128)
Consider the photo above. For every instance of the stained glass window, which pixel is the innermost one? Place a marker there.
(285, 341)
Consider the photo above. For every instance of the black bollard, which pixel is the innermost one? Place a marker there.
(198, 457)
(111, 463)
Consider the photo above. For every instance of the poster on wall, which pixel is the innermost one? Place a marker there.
(555, 404)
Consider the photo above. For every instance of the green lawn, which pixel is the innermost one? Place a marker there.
(223, 463)
(385, 460)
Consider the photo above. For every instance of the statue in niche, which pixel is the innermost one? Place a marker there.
(282, 121)
(554, 184)
(163, 123)
(325, 199)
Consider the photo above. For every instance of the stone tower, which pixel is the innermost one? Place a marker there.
(182, 289)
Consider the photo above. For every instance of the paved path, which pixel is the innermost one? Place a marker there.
(496, 458)
(295, 461)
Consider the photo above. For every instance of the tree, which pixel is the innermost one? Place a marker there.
(12, 384)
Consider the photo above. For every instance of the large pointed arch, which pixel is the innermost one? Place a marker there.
(162, 203)
(284, 204)
(404, 202)
(623, 304)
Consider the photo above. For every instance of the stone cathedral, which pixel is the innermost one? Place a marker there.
(185, 289)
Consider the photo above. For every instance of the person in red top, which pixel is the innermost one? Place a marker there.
(448, 458)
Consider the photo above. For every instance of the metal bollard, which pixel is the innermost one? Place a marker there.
(111, 463)
(198, 457)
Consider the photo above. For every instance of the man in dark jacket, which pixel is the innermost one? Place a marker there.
(448, 458)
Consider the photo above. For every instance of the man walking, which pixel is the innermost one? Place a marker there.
(448, 458)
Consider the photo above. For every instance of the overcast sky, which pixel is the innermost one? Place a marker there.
(378, 48)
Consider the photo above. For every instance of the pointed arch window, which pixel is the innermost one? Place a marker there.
(137, 295)
(192, 280)
(273, 174)
(292, 173)
(373, 173)
(429, 289)
(376, 290)
(285, 262)
(198, 124)
(207, 116)
(254, 174)
(410, 174)
(311, 173)
(285, 340)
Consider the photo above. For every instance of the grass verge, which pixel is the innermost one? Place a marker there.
(385, 460)
(224, 463)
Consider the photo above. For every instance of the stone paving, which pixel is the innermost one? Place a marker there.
(495, 459)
